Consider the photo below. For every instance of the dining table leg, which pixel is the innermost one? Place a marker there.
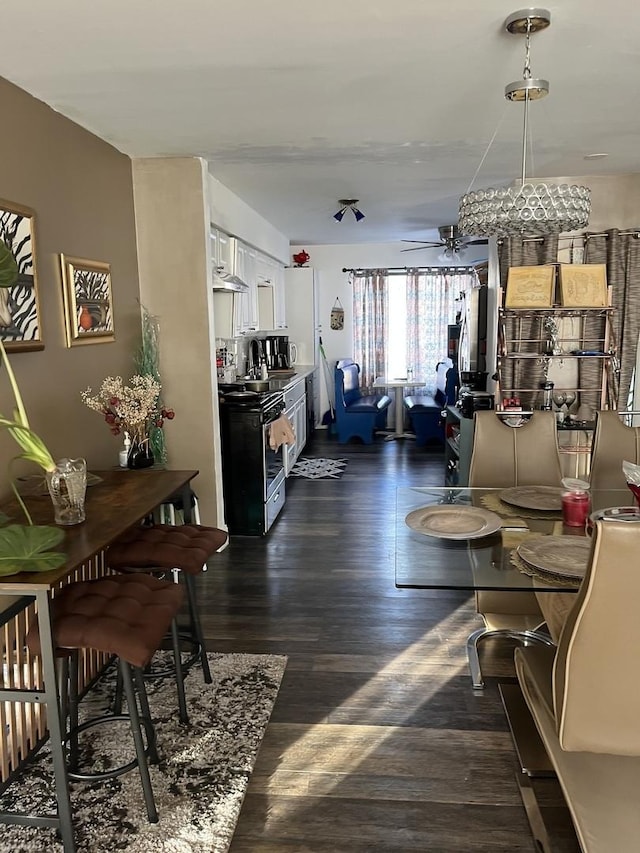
(398, 431)
(49, 696)
(54, 723)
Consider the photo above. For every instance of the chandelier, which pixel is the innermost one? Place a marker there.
(531, 208)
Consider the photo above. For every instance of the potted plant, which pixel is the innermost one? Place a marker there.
(25, 547)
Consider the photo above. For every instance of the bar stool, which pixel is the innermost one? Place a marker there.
(175, 504)
(125, 616)
(181, 550)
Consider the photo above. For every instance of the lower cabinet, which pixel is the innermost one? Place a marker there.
(296, 410)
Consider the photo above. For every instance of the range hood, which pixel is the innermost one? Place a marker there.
(227, 281)
(225, 278)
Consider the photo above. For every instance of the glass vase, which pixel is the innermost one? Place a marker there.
(67, 485)
(140, 455)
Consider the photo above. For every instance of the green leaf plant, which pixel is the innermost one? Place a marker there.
(26, 548)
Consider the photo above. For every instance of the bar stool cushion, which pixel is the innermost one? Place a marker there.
(164, 546)
(123, 615)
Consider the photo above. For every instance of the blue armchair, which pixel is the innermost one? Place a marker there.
(425, 412)
(357, 415)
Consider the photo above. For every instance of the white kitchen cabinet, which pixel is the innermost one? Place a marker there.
(246, 302)
(221, 251)
(303, 323)
(271, 295)
(295, 401)
(236, 313)
(280, 301)
(301, 425)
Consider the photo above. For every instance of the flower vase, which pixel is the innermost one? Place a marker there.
(67, 485)
(140, 455)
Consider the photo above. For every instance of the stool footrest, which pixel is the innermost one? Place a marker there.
(115, 771)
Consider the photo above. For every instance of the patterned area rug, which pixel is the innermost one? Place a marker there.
(199, 784)
(317, 468)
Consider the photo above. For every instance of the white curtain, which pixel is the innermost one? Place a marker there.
(433, 300)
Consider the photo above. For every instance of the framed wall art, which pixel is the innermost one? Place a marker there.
(20, 327)
(583, 286)
(88, 304)
(530, 287)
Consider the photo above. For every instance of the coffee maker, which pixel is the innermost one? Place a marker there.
(472, 396)
(277, 352)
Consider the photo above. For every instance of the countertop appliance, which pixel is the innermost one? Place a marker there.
(277, 352)
(253, 474)
(474, 401)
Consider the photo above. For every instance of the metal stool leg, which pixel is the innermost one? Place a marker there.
(62, 673)
(145, 716)
(182, 702)
(73, 710)
(143, 767)
(197, 628)
(117, 699)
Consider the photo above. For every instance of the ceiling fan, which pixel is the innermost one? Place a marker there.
(450, 240)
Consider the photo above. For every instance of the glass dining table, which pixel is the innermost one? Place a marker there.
(481, 560)
(488, 560)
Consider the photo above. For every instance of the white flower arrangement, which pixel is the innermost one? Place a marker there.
(132, 408)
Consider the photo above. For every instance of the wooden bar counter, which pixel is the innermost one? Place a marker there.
(28, 696)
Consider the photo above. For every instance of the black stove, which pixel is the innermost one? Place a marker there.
(254, 401)
(252, 471)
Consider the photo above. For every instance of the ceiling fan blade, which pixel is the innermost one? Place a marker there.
(424, 244)
(476, 242)
(415, 248)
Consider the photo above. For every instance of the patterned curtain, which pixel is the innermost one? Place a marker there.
(516, 374)
(621, 254)
(433, 299)
(370, 297)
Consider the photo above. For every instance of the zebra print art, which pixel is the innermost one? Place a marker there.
(87, 301)
(19, 310)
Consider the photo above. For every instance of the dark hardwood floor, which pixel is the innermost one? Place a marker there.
(377, 742)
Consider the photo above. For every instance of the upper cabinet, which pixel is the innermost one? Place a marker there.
(249, 293)
(222, 247)
(271, 295)
(303, 316)
(248, 300)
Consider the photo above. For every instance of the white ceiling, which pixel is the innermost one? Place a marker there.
(297, 104)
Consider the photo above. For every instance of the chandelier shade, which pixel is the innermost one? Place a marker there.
(533, 207)
(527, 209)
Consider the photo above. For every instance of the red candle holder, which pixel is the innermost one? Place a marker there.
(575, 508)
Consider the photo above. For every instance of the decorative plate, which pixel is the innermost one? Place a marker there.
(453, 522)
(564, 556)
(616, 513)
(533, 497)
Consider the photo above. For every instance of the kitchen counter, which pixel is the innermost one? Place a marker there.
(279, 380)
(282, 380)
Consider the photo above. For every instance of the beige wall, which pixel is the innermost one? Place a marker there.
(81, 191)
(172, 216)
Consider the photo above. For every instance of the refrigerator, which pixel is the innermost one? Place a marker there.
(467, 338)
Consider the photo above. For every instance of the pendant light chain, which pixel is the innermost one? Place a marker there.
(530, 208)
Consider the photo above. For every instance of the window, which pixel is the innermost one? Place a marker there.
(400, 321)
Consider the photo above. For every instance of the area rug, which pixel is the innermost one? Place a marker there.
(317, 468)
(199, 784)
